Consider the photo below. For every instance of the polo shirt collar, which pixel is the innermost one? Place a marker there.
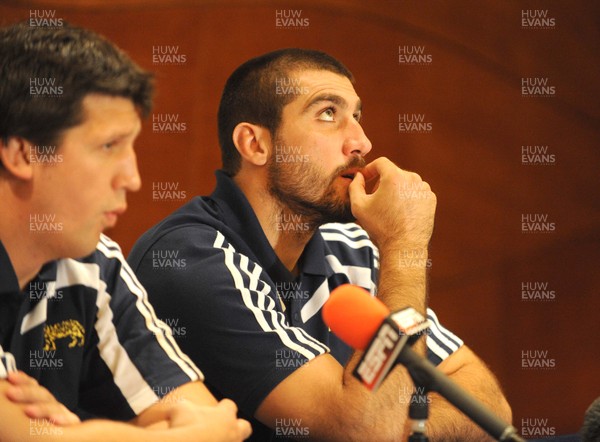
(9, 284)
(240, 217)
(48, 272)
(312, 260)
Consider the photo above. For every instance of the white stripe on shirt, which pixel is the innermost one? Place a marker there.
(445, 336)
(355, 244)
(317, 300)
(357, 275)
(126, 376)
(161, 331)
(300, 334)
(268, 320)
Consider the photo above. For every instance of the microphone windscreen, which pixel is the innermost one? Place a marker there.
(354, 315)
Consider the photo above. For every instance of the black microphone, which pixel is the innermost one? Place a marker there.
(359, 319)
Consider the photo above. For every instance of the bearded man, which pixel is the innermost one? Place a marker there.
(264, 251)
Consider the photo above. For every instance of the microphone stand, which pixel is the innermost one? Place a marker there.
(418, 412)
(425, 374)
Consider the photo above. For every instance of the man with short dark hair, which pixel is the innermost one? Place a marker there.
(73, 318)
(264, 251)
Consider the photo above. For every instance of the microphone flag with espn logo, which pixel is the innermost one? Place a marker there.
(400, 328)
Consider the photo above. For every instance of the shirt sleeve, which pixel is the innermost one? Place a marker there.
(132, 361)
(235, 329)
(441, 342)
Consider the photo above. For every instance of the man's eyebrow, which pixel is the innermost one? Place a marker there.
(120, 133)
(335, 99)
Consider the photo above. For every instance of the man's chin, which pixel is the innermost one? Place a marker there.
(340, 214)
(84, 247)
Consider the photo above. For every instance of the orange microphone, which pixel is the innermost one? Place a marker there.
(354, 315)
(365, 323)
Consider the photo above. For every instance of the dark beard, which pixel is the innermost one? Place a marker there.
(294, 195)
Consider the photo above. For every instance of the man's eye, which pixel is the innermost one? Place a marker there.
(357, 116)
(328, 114)
(109, 145)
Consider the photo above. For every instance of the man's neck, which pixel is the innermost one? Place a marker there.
(290, 236)
(287, 232)
(25, 265)
(21, 245)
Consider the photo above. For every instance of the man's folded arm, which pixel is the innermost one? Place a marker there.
(469, 372)
(187, 413)
(336, 407)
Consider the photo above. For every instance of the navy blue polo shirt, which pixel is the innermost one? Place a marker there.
(249, 323)
(84, 329)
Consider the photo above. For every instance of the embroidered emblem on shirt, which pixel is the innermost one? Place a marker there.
(69, 328)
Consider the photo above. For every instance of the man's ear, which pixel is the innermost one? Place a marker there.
(15, 157)
(253, 142)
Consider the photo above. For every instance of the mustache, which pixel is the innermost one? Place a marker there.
(356, 162)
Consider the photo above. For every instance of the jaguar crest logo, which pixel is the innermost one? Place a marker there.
(69, 328)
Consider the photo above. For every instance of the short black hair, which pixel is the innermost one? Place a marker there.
(590, 431)
(250, 94)
(76, 62)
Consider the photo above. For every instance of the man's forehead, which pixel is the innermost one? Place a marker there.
(316, 83)
(101, 112)
(95, 101)
(313, 78)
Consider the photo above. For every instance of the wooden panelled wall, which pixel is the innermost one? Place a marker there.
(470, 91)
